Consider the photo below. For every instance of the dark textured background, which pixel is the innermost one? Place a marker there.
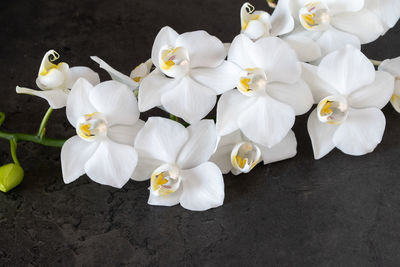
(338, 211)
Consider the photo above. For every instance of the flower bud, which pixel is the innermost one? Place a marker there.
(11, 175)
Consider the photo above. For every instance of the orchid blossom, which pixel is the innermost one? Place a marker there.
(175, 159)
(269, 94)
(350, 95)
(257, 24)
(237, 154)
(334, 23)
(393, 67)
(133, 80)
(190, 72)
(106, 119)
(55, 80)
(388, 11)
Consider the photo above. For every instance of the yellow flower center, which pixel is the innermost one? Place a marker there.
(314, 16)
(253, 80)
(333, 110)
(245, 156)
(92, 126)
(165, 180)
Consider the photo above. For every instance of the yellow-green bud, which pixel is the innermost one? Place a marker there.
(11, 175)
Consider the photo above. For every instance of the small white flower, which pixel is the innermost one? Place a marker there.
(237, 154)
(270, 91)
(175, 158)
(56, 80)
(133, 80)
(335, 23)
(190, 72)
(350, 94)
(106, 118)
(393, 67)
(387, 10)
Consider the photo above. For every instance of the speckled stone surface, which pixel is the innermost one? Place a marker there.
(338, 211)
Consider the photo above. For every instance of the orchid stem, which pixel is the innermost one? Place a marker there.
(376, 62)
(173, 117)
(42, 129)
(13, 148)
(31, 137)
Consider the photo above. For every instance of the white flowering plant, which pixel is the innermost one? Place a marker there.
(278, 66)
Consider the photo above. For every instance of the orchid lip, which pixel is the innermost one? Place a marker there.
(245, 156)
(165, 180)
(92, 126)
(333, 109)
(252, 81)
(315, 16)
(174, 61)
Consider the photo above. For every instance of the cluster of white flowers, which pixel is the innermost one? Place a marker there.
(306, 52)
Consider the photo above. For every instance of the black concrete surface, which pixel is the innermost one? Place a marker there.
(338, 211)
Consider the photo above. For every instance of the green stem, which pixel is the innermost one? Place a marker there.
(2, 117)
(32, 138)
(376, 62)
(13, 148)
(173, 117)
(42, 129)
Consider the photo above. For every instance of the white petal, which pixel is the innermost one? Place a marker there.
(161, 139)
(152, 88)
(54, 78)
(115, 75)
(144, 168)
(203, 187)
(319, 88)
(347, 70)
(116, 101)
(321, 135)
(307, 50)
(267, 121)
(112, 164)
(78, 103)
(239, 52)
(333, 39)
(277, 59)
(220, 79)
(222, 156)
(56, 98)
(230, 106)
(200, 145)
(166, 36)
(82, 72)
(377, 94)
(387, 10)
(286, 149)
(361, 132)
(255, 29)
(74, 154)
(297, 95)
(125, 134)
(204, 49)
(281, 20)
(169, 200)
(392, 66)
(364, 24)
(189, 100)
(341, 6)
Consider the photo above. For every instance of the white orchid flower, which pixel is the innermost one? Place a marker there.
(270, 91)
(133, 80)
(190, 72)
(257, 24)
(56, 80)
(106, 118)
(393, 67)
(387, 10)
(335, 23)
(350, 95)
(237, 154)
(175, 158)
